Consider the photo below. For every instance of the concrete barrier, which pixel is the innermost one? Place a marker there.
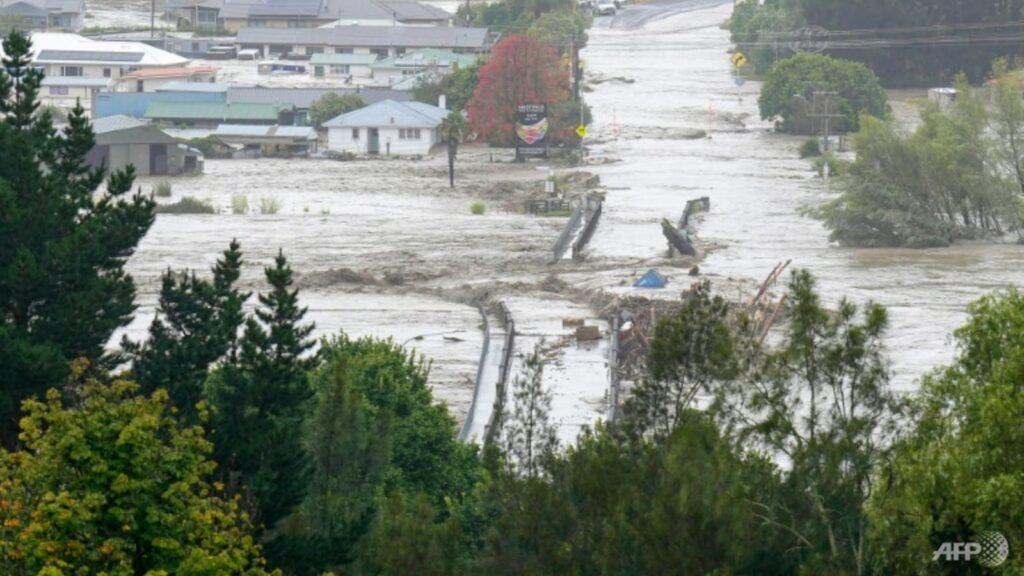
(592, 208)
(494, 424)
(467, 424)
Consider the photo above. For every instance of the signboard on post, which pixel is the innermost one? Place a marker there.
(531, 131)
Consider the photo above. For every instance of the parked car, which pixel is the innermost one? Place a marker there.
(606, 8)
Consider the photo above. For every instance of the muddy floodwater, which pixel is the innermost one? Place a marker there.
(385, 248)
(673, 76)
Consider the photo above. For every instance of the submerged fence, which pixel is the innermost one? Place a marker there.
(464, 433)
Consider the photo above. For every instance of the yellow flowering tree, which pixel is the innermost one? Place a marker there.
(113, 485)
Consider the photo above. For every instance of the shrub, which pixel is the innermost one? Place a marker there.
(477, 208)
(810, 149)
(836, 167)
(239, 203)
(162, 189)
(858, 89)
(187, 205)
(269, 205)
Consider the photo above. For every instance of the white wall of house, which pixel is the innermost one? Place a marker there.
(65, 97)
(78, 69)
(356, 140)
(343, 71)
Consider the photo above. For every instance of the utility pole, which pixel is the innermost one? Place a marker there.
(826, 112)
(152, 18)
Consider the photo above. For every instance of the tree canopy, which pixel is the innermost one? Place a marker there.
(333, 104)
(63, 244)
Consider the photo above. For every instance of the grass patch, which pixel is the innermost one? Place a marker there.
(269, 205)
(810, 148)
(477, 208)
(239, 203)
(187, 205)
(162, 189)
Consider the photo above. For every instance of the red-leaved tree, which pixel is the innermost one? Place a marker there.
(521, 70)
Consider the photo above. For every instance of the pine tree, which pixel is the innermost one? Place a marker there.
(63, 288)
(529, 435)
(261, 399)
(196, 325)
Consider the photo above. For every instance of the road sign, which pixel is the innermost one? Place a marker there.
(739, 60)
(581, 130)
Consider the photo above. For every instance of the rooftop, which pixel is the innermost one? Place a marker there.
(391, 113)
(369, 36)
(428, 57)
(114, 123)
(249, 131)
(304, 97)
(77, 81)
(184, 86)
(59, 47)
(211, 111)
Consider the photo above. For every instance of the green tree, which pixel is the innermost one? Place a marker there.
(693, 352)
(562, 29)
(116, 486)
(457, 86)
(196, 325)
(63, 288)
(858, 90)
(333, 104)
(452, 130)
(375, 431)
(821, 402)
(528, 436)
(961, 471)
(260, 401)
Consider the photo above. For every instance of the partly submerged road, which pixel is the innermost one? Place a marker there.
(636, 16)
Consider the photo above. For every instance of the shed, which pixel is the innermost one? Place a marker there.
(213, 114)
(388, 126)
(123, 141)
(269, 139)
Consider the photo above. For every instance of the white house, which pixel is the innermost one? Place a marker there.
(347, 67)
(63, 92)
(391, 71)
(387, 127)
(43, 14)
(152, 79)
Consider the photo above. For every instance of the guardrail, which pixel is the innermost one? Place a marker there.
(479, 374)
(593, 207)
(494, 423)
(562, 244)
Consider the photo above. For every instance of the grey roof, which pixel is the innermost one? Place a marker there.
(370, 36)
(24, 9)
(391, 113)
(109, 124)
(65, 6)
(309, 8)
(245, 130)
(89, 56)
(408, 10)
(303, 98)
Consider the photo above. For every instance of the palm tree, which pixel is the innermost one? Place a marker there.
(452, 129)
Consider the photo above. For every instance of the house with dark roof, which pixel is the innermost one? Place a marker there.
(233, 15)
(383, 41)
(387, 127)
(122, 141)
(43, 14)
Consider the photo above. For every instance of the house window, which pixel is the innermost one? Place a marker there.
(340, 69)
(296, 24)
(343, 51)
(58, 90)
(408, 133)
(310, 50)
(71, 71)
(380, 52)
(106, 72)
(355, 133)
(257, 23)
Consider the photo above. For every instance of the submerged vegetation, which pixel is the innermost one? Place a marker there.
(955, 177)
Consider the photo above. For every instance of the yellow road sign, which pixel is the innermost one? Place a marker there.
(581, 130)
(739, 60)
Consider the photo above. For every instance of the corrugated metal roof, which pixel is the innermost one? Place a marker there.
(61, 47)
(303, 98)
(115, 123)
(369, 36)
(88, 56)
(416, 11)
(249, 131)
(211, 111)
(391, 113)
(343, 59)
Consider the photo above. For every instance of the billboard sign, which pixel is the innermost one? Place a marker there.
(531, 131)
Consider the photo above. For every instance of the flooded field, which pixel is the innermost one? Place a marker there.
(682, 81)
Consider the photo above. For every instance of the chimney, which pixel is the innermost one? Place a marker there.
(442, 102)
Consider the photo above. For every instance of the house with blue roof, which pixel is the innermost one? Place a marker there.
(387, 127)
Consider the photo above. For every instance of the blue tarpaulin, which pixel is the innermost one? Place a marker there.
(652, 279)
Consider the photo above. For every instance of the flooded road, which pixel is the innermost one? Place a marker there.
(672, 76)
